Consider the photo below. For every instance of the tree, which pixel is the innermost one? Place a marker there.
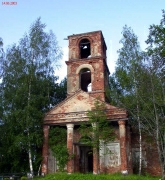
(61, 91)
(97, 129)
(126, 80)
(139, 81)
(28, 86)
(156, 44)
(58, 145)
(1, 57)
(156, 96)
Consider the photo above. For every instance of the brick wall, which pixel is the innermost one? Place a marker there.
(150, 159)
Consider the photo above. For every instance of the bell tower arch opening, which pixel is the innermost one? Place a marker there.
(85, 79)
(85, 48)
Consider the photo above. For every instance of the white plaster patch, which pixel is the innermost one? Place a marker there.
(110, 155)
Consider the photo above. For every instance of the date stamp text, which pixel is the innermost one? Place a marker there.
(9, 3)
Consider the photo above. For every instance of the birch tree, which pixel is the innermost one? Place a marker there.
(141, 85)
(28, 86)
(1, 57)
(156, 98)
(127, 77)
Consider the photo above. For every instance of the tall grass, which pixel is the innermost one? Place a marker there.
(77, 176)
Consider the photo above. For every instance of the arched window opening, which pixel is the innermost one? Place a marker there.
(85, 80)
(85, 50)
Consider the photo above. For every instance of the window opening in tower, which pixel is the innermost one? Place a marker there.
(85, 50)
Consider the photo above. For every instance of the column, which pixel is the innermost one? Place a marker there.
(96, 164)
(96, 160)
(123, 153)
(70, 164)
(44, 168)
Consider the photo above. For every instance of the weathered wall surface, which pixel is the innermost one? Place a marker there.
(96, 63)
(87, 65)
(129, 148)
(150, 159)
(97, 76)
(52, 164)
(80, 102)
(95, 39)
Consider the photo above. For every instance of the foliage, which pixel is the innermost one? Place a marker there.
(27, 91)
(1, 57)
(61, 91)
(97, 129)
(138, 84)
(75, 176)
(24, 178)
(128, 66)
(125, 82)
(156, 96)
(156, 44)
(128, 73)
(58, 146)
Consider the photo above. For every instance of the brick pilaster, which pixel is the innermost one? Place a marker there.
(70, 164)
(123, 153)
(96, 164)
(44, 168)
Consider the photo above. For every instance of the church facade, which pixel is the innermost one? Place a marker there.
(87, 79)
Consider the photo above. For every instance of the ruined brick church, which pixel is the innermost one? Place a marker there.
(87, 79)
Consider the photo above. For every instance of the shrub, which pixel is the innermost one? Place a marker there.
(24, 178)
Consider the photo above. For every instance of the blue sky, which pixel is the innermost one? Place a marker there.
(67, 17)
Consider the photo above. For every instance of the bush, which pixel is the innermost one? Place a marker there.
(24, 178)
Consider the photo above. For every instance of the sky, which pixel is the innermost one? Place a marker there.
(67, 17)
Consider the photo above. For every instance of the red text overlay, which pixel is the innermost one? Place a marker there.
(9, 3)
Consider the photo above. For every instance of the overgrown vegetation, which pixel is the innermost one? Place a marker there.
(75, 176)
(58, 146)
(97, 129)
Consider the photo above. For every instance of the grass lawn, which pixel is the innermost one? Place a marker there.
(75, 176)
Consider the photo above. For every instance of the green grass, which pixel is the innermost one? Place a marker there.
(76, 176)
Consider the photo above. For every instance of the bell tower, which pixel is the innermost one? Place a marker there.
(87, 66)
(87, 79)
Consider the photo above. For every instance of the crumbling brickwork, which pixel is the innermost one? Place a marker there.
(150, 159)
(95, 62)
(87, 79)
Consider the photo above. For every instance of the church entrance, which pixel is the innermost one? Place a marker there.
(86, 159)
